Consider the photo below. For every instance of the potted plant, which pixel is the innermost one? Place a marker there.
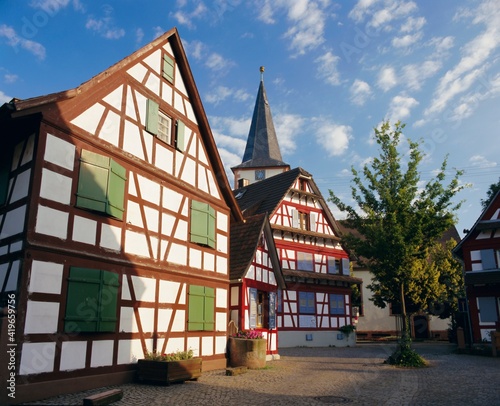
(247, 348)
(168, 368)
(347, 329)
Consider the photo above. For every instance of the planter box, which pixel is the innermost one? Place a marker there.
(247, 353)
(167, 372)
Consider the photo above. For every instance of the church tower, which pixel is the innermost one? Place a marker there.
(262, 158)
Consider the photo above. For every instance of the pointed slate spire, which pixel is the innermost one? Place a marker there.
(262, 149)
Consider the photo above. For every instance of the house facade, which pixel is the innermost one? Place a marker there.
(479, 252)
(255, 278)
(316, 299)
(115, 217)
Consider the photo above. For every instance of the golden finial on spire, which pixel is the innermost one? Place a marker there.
(261, 73)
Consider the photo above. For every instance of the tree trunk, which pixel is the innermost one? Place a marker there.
(405, 335)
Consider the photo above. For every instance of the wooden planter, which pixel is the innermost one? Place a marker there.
(247, 353)
(167, 372)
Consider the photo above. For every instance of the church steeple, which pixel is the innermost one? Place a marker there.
(262, 156)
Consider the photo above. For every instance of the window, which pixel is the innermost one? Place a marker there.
(164, 128)
(201, 311)
(160, 125)
(101, 185)
(260, 174)
(336, 304)
(304, 220)
(168, 68)
(487, 306)
(202, 224)
(306, 302)
(346, 266)
(333, 265)
(488, 259)
(91, 301)
(305, 261)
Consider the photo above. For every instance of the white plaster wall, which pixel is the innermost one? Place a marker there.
(13, 222)
(102, 353)
(84, 230)
(234, 295)
(172, 200)
(220, 321)
(221, 265)
(41, 317)
(136, 243)
(110, 130)
(55, 187)
(220, 297)
(319, 339)
(52, 222)
(178, 254)
(169, 291)
(179, 324)
(128, 323)
(111, 237)
(164, 316)
(147, 315)
(208, 261)
(89, 119)
(144, 288)
(129, 351)
(194, 258)
(37, 358)
(21, 187)
(175, 344)
(73, 354)
(207, 346)
(59, 152)
(45, 277)
(193, 343)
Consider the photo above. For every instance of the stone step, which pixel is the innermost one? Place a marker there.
(103, 398)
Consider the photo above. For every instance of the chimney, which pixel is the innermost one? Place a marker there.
(243, 182)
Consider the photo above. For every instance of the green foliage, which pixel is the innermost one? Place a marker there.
(490, 194)
(174, 356)
(398, 220)
(347, 329)
(406, 357)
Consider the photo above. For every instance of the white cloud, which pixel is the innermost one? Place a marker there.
(15, 41)
(327, 68)
(334, 138)
(213, 61)
(415, 75)
(217, 62)
(139, 35)
(4, 98)
(474, 60)
(400, 107)
(10, 78)
(406, 40)
(360, 92)
(105, 26)
(187, 18)
(392, 10)
(51, 7)
(362, 8)
(481, 162)
(287, 127)
(221, 93)
(387, 78)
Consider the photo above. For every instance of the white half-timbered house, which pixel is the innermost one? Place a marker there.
(255, 279)
(115, 217)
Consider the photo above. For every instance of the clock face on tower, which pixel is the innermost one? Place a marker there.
(260, 174)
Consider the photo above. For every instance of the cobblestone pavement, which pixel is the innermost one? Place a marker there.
(331, 376)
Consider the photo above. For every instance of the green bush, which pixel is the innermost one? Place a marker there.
(404, 356)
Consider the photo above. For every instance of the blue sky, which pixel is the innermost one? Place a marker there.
(333, 71)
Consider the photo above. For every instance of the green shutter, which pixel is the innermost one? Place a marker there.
(179, 139)
(211, 227)
(116, 190)
(201, 312)
(209, 310)
(202, 223)
(152, 109)
(91, 302)
(93, 181)
(108, 301)
(196, 308)
(82, 304)
(168, 68)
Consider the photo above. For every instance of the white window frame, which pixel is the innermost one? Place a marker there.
(164, 128)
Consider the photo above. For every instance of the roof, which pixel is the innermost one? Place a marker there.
(262, 148)
(266, 195)
(245, 238)
(43, 104)
(482, 223)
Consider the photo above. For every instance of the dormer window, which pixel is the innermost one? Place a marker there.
(160, 125)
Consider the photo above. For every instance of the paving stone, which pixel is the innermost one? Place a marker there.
(330, 376)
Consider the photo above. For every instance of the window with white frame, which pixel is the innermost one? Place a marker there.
(164, 128)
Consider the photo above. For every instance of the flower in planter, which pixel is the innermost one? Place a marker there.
(173, 356)
(249, 334)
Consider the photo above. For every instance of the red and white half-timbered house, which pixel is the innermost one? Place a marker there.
(115, 217)
(479, 252)
(255, 278)
(316, 301)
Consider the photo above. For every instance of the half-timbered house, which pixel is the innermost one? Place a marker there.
(479, 252)
(115, 219)
(255, 278)
(316, 300)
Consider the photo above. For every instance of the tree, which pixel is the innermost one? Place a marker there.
(490, 194)
(398, 222)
